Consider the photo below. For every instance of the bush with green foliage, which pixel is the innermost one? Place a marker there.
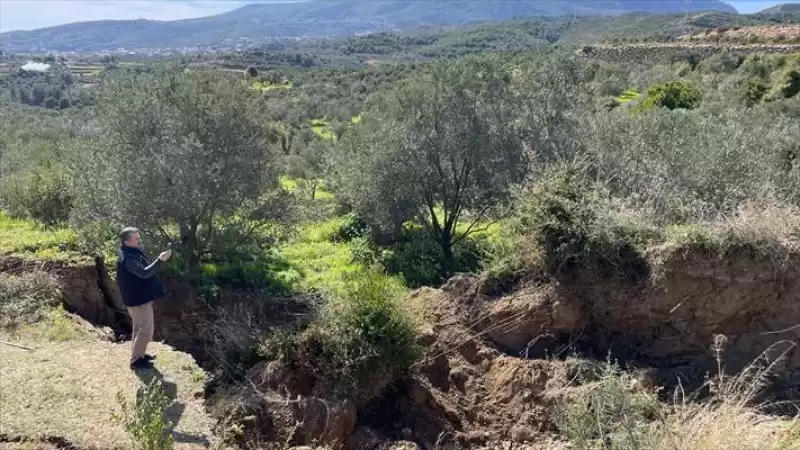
(722, 63)
(416, 257)
(755, 90)
(609, 413)
(573, 227)
(787, 84)
(352, 228)
(672, 95)
(364, 336)
(145, 422)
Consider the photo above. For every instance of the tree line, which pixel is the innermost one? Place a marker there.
(195, 157)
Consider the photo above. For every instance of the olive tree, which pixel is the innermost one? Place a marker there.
(175, 153)
(442, 149)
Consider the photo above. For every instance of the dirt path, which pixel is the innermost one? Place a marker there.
(67, 392)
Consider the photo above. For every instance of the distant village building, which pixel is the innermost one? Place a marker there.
(35, 67)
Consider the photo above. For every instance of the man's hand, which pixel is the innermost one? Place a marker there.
(165, 255)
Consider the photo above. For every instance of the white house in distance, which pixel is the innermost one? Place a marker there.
(35, 67)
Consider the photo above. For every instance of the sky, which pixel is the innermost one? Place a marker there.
(30, 14)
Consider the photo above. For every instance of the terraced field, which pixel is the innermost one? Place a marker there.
(773, 34)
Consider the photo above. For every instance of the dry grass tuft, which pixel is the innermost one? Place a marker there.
(766, 225)
(720, 427)
(614, 412)
(26, 298)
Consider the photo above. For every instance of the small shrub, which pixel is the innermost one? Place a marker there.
(417, 257)
(353, 227)
(722, 63)
(672, 95)
(363, 336)
(576, 225)
(145, 422)
(372, 334)
(755, 90)
(756, 66)
(608, 413)
(791, 84)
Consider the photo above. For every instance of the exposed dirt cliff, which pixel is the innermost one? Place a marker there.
(500, 350)
(497, 358)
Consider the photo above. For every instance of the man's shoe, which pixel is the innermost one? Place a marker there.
(141, 363)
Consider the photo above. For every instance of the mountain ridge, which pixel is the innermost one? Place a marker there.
(783, 8)
(261, 22)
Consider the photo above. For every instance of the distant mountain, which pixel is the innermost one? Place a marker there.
(262, 22)
(786, 8)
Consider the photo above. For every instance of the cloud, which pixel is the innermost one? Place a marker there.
(30, 14)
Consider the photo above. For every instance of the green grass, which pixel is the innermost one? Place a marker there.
(291, 184)
(356, 119)
(321, 128)
(287, 183)
(88, 70)
(57, 325)
(29, 239)
(266, 86)
(322, 194)
(629, 96)
(692, 236)
(323, 264)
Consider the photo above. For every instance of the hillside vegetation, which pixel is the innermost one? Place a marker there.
(785, 8)
(315, 18)
(488, 241)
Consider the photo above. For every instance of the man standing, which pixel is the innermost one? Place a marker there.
(139, 286)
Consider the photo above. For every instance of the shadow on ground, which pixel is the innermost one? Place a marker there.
(174, 412)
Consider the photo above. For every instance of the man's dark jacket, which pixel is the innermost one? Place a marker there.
(136, 277)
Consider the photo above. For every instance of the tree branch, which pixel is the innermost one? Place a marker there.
(471, 228)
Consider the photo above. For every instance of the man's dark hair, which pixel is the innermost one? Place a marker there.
(126, 233)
